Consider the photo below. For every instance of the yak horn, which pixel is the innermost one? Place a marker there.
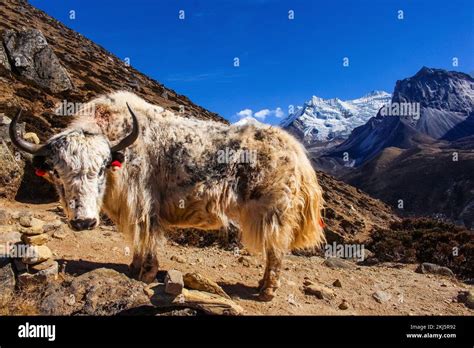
(132, 137)
(21, 143)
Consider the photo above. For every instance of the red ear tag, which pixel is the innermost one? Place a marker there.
(40, 172)
(321, 223)
(116, 164)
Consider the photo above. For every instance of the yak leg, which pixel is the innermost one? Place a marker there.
(145, 263)
(271, 279)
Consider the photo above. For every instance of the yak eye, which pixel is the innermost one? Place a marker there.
(101, 171)
(55, 173)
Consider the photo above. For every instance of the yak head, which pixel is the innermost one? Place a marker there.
(76, 162)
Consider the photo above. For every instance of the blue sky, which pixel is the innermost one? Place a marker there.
(282, 61)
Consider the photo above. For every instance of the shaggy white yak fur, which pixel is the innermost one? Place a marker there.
(188, 173)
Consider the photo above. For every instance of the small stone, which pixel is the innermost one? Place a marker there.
(426, 268)
(31, 231)
(30, 221)
(7, 282)
(200, 260)
(319, 291)
(37, 254)
(381, 296)
(307, 282)
(178, 258)
(344, 305)
(60, 234)
(221, 265)
(4, 217)
(467, 298)
(337, 283)
(26, 279)
(174, 283)
(41, 266)
(10, 237)
(38, 239)
(52, 226)
(197, 281)
(31, 137)
(336, 262)
(245, 261)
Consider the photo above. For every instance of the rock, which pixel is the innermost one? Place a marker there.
(337, 283)
(4, 217)
(106, 292)
(426, 268)
(60, 234)
(31, 137)
(38, 239)
(33, 59)
(10, 237)
(31, 222)
(174, 283)
(185, 312)
(203, 301)
(467, 298)
(52, 226)
(197, 281)
(42, 276)
(344, 305)
(245, 261)
(37, 254)
(4, 58)
(7, 282)
(381, 296)
(31, 231)
(336, 262)
(320, 292)
(178, 259)
(42, 265)
(208, 303)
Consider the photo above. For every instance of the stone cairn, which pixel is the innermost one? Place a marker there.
(37, 263)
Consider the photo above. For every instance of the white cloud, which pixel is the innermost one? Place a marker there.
(245, 113)
(279, 112)
(262, 114)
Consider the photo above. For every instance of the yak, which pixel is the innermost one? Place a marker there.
(151, 171)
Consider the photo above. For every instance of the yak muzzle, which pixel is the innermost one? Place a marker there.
(83, 224)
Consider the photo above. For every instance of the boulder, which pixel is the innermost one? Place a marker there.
(106, 292)
(31, 137)
(197, 281)
(33, 58)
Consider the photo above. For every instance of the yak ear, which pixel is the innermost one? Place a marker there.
(39, 162)
(118, 156)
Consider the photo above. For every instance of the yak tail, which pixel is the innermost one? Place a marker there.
(310, 230)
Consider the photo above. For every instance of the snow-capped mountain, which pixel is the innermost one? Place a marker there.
(326, 120)
(446, 112)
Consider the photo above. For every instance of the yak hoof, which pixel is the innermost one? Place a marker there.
(266, 294)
